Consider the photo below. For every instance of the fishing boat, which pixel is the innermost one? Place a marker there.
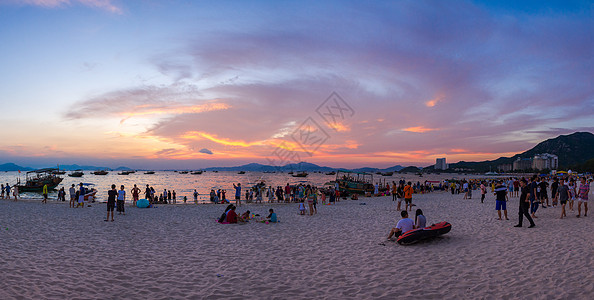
(101, 172)
(35, 180)
(126, 173)
(241, 172)
(300, 174)
(149, 172)
(77, 173)
(196, 173)
(58, 172)
(331, 173)
(183, 172)
(354, 182)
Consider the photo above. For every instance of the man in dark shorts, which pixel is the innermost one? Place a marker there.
(563, 195)
(524, 205)
(500, 203)
(543, 193)
(554, 187)
(111, 201)
(147, 194)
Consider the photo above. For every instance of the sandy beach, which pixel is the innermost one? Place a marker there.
(171, 252)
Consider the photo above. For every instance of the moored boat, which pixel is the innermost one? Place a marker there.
(354, 182)
(77, 173)
(101, 172)
(300, 174)
(35, 180)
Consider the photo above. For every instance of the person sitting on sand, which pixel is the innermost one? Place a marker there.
(272, 216)
(404, 225)
(232, 216)
(223, 217)
(245, 216)
(420, 220)
(354, 196)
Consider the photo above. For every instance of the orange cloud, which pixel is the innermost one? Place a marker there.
(434, 101)
(198, 135)
(419, 129)
(144, 110)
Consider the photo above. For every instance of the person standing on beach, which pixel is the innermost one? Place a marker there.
(554, 187)
(44, 192)
(516, 187)
(2, 188)
(195, 196)
(583, 197)
(81, 196)
(524, 205)
(563, 195)
(135, 194)
(121, 201)
(147, 194)
(238, 194)
(500, 203)
(72, 192)
(111, 201)
(408, 192)
(543, 192)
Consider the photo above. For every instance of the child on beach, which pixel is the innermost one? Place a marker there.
(272, 216)
(301, 208)
(500, 203)
(121, 201)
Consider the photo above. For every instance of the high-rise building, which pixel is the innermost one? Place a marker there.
(440, 164)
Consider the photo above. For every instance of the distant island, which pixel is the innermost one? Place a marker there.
(573, 151)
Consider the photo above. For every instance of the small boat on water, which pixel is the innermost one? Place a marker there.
(241, 172)
(58, 172)
(126, 173)
(300, 174)
(149, 172)
(290, 173)
(101, 172)
(35, 180)
(354, 182)
(196, 172)
(331, 173)
(77, 173)
(387, 174)
(90, 192)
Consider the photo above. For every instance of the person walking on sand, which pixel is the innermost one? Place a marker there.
(7, 187)
(237, 194)
(408, 192)
(583, 197)
(554, 188)
(501, 200)
(16, 193)
(111, 201)
(524, 205)
(135, 194)
(563, 196)
(44, 192)
(121, 201)
(534, 196)
(484, 193)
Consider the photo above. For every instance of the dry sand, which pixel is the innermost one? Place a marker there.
(54, 252)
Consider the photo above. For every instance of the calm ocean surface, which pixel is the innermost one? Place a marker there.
(184, 184)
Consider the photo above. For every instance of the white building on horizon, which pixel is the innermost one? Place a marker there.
(545, 161)
(440, 164)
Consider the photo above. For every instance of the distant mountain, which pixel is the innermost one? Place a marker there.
(13, 167)
(411, 169)
(572, 149)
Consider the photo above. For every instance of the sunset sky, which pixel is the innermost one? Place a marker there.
(194, 84)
